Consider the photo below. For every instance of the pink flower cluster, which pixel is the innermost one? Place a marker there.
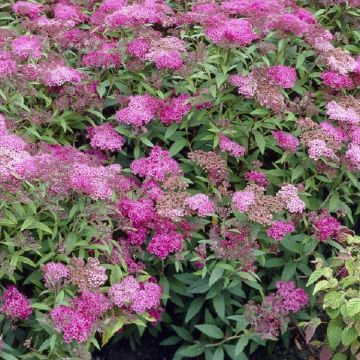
(200, 203)
(318, 149)
(164, 243)
(77, 322)
(336, 80)
(257, 177)
(54, 274)
(286, 141)
(243, 200)
(27, 46)
(59, 75)
(232, 147)
(105, 57)
(105, 137)
(138, 297)
(283, 76)
(326, 226)
(144, 108)
(174, 109)
(157, 166)
(225, 32)
(294, 299)
(289, 194)
(342, 114)
(279, 229)
(14, 304)
(140, 110)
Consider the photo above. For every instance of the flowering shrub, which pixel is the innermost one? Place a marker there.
(337, 279)
(172, 165)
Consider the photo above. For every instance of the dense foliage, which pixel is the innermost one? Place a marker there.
(178, 167)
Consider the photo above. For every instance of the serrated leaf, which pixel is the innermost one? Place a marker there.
(211, 331)
(216, 274)
(177, 146)
(260, 141)
(334, 331)
(240, 345)
(348, 336)
(317, 274)
(192, 350)
(194, 308)
(353, 306)
(219, 305)
(218, 354)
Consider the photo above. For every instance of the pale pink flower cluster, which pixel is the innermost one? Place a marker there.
(95, 181)
(336, 132)
(129, 293)
(54, 274)
(200, 203)
(157, 166)
(289, 195)
(140, 110)
(246, 84)
(64, 12)
(232, 147)
(286, 140)
(146, 12)
(352, 155)
(14, 304)
(243, 200)
(318, 149)
(105, 137)
(339, 113)
(59, 75)
(105, 57)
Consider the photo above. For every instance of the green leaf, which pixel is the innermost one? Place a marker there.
(339, 356)
(334, 332)
(183, 333)
(353, 306)
(260, 141)
(288, 271)
(218, 354)
(192, 350)
(194, 308)
(111, 330)
(334, 202)
(240, 345)
(71, 241)
(349, 335)
(177, 146)
(219, 305)
(27, 223)
(321, 285)
(211, 331)
(317, 274)
(216, 274)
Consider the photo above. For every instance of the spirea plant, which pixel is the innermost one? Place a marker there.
(174, 167)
